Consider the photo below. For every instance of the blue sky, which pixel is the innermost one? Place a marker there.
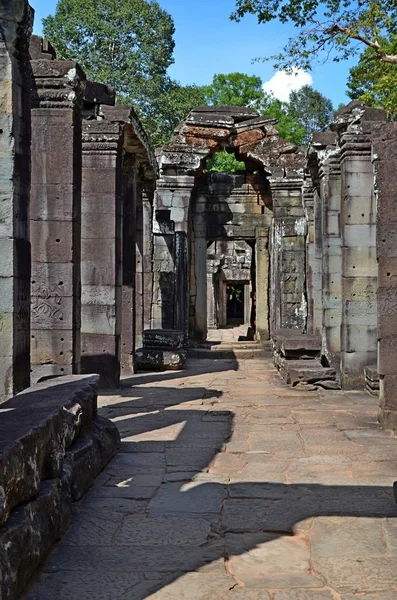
(207, 42)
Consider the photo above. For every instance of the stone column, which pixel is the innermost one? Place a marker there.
(288, 239)
(16, 20)
(198, 291)
(247, 304)
(331, 266)
(55, 218)
(308, 206)
(262, 283)
(211, 315)
(132, 265)
(359, 267)
(171, 253)
(101, 258)
(147, 251)
(384, 153)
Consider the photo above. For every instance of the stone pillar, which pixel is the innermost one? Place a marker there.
(384, 153)
(262, 283)
(171, 252)
(247, 304)
(198, 269)
(359, 267)
(16, 19)
(147, 251)
(288, 239)
(132, 297)
(101, 249)
(331, 266)
(308, 206)
(211, 314)
(55, 218)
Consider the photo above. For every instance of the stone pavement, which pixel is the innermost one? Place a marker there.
(232, 486)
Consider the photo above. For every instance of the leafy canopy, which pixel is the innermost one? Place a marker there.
(129, 45)
(234, 89)
(375, 82)
(337, 28)
(312, 110)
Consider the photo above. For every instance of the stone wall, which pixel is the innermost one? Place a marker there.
(16, 18)
(53, 445)
(343, 272)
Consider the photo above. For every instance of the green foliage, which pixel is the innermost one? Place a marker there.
(310, 109)
(127, 44)
(223, 162)
(375, 82)
(234, 89)
(168, 109)
(288, 126)
(336, 28)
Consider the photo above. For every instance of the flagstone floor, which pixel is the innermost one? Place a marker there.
(230, 485)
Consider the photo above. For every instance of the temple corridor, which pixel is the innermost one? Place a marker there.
(229, 484)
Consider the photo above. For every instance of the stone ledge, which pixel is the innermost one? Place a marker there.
(52, 447)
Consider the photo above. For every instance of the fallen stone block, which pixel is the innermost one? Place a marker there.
(152, 359)
(52, 447)
(36, 427)
(309, 371)
(168, 339)
(295, 344)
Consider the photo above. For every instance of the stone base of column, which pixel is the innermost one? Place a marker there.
(163, 350)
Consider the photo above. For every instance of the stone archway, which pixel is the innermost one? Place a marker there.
(254, 140)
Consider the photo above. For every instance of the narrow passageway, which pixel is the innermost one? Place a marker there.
(231, 485)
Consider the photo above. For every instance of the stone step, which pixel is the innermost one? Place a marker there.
(307, 371)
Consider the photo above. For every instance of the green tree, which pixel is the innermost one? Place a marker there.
(223, 162)
(170, 108)
(288, 126)
(233, 89)
(375, 82)
(129, 45)
(310, 109)
(338, 28)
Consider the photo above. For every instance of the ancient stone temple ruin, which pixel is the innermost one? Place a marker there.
(115, 258)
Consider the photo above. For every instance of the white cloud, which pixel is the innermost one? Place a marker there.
(282, 83)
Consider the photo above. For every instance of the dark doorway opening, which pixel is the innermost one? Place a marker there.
(235, 303)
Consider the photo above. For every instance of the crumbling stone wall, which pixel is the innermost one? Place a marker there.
(16, 19)
(185, 217)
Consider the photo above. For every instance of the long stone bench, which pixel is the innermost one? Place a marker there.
(53, 444)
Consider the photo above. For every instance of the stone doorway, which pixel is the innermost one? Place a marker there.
(235, 303)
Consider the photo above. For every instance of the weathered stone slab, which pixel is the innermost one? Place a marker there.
(36, 426)
(159, 360)
(30, 533)
(168, 339)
